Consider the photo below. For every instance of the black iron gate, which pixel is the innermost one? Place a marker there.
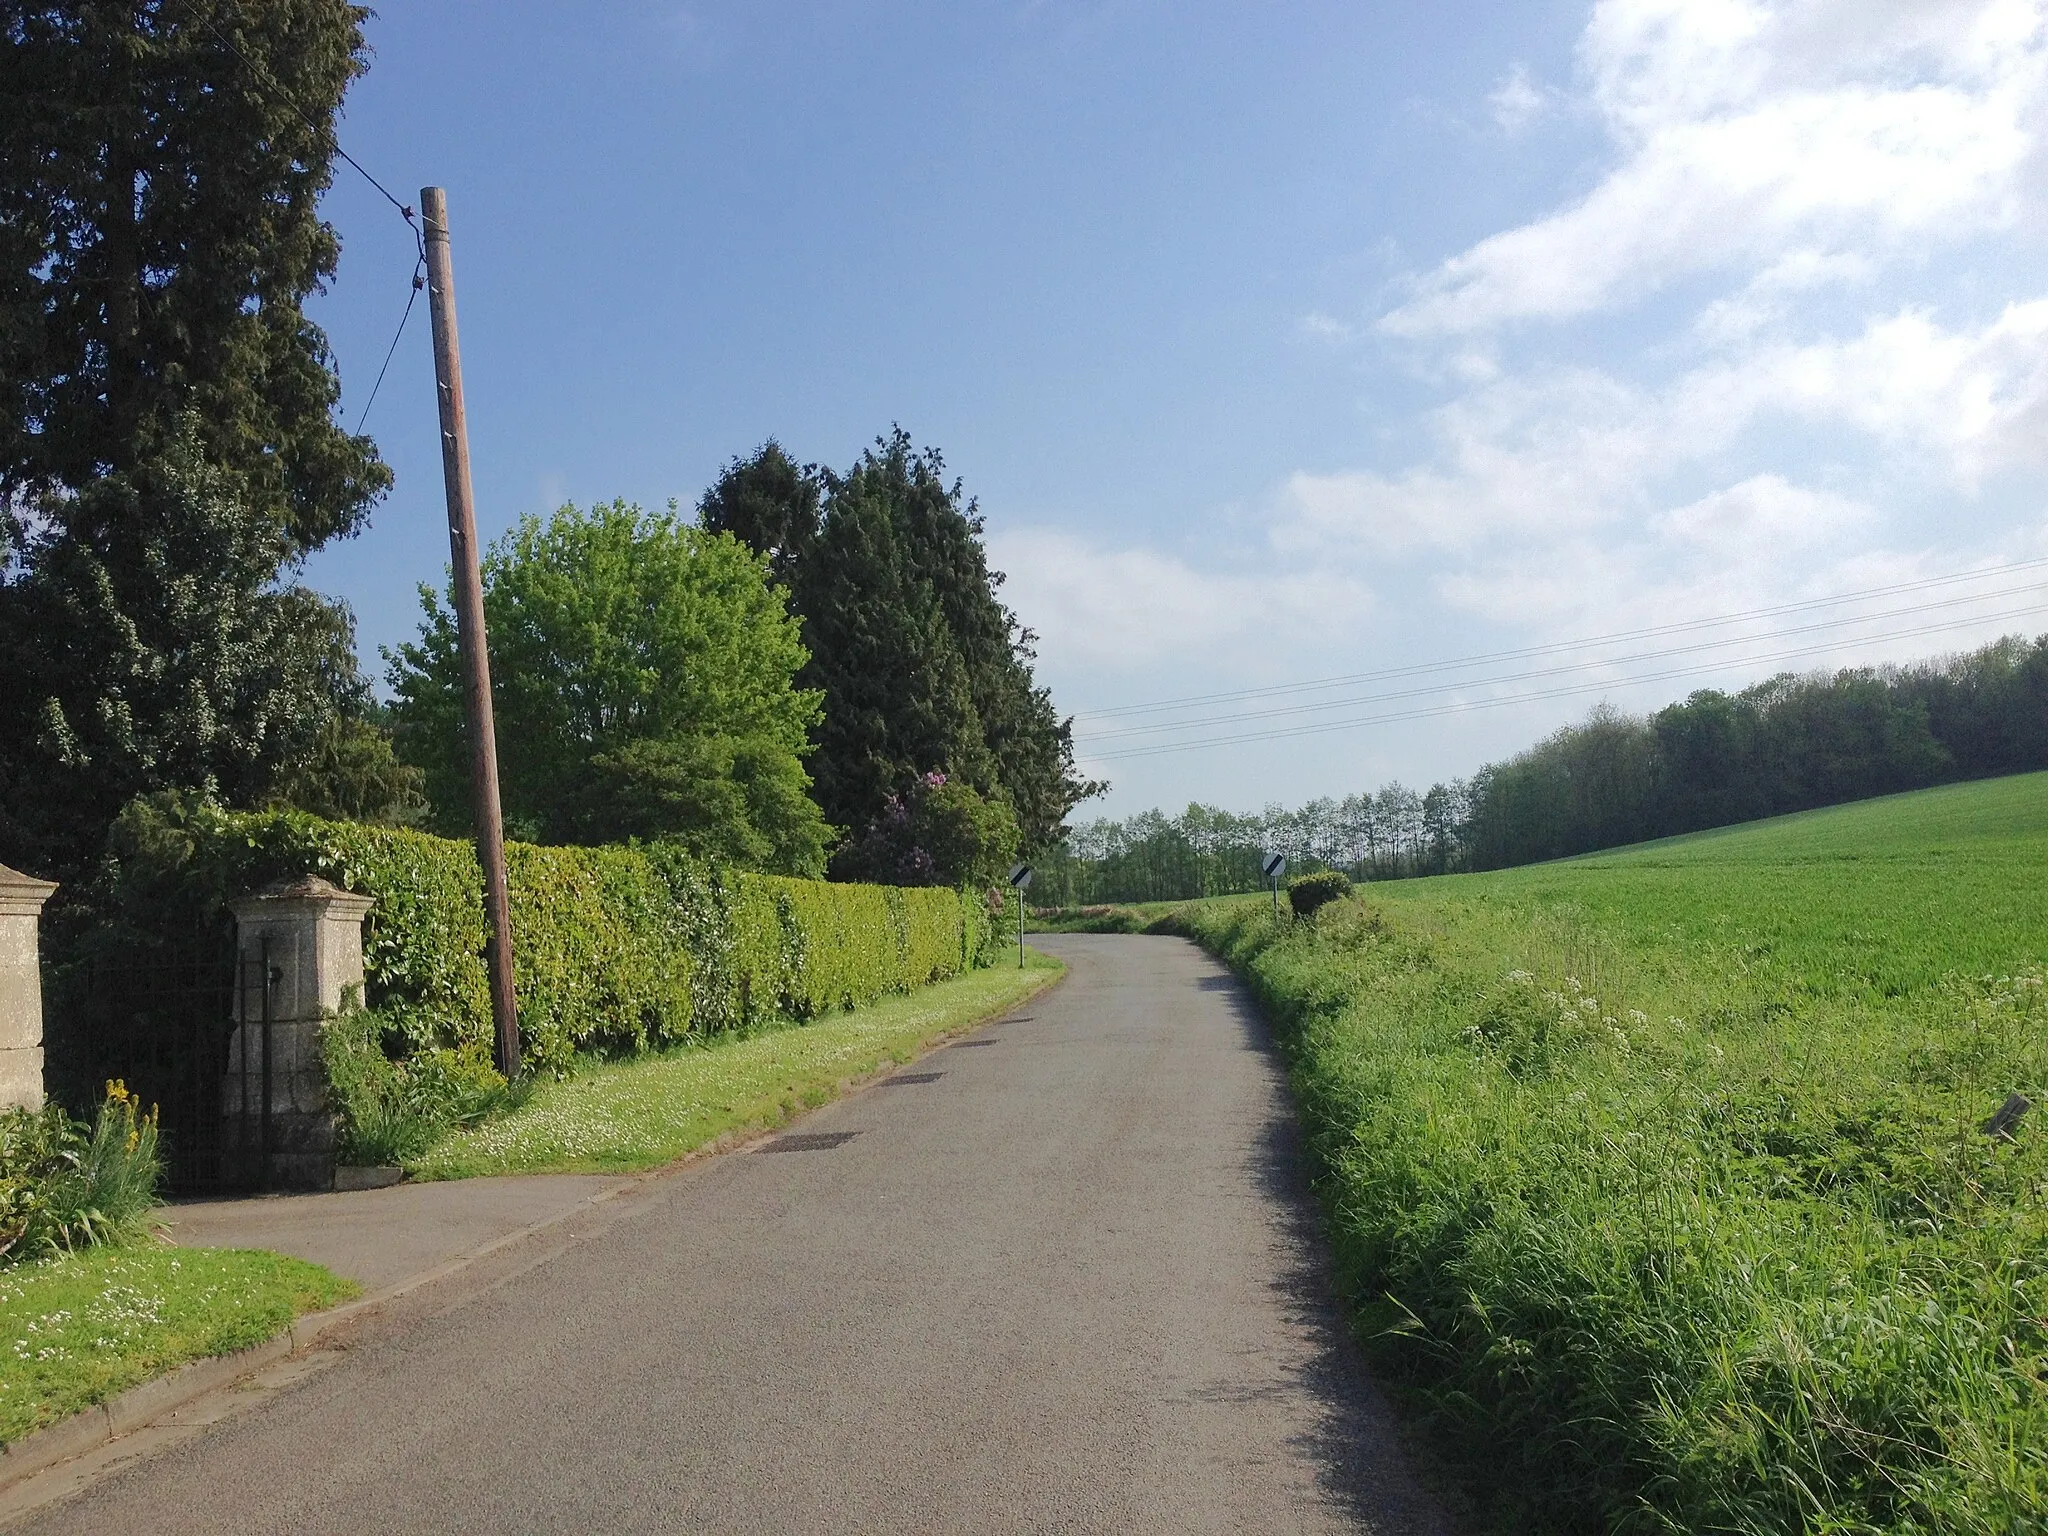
(164, 1025)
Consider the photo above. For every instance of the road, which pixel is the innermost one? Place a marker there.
(1071, 1283)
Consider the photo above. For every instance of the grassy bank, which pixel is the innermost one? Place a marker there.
(622, 1117)
(1656, 1177)
(77, 1330)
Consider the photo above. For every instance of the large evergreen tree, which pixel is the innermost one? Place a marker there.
(898, 699)
(167, 444)
(922, 668)
(146, 647)
(161, 164)
(771, 504)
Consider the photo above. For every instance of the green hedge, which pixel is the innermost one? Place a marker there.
(615, 948)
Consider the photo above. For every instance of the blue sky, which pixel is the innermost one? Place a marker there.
(1278, 343)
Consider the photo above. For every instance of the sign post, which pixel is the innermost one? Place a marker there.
(1020, 881)
(1274, 866)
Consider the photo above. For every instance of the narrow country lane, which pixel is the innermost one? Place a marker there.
(1070, 1283)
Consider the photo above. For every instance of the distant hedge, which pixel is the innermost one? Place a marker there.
(615, 948)
(1309, 894)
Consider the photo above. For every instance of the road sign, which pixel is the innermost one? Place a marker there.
(1273, 868)
(1020, 876)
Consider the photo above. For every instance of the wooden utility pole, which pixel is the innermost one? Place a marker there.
(469, 625)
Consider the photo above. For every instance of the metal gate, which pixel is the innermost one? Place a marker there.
(164, 1025)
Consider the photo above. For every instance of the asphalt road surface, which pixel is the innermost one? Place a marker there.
(1069, 1284)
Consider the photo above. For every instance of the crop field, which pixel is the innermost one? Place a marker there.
(1658, 1178)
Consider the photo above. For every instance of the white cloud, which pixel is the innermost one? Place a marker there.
(1764, 516)
(1976, 400)
(1132, 608)
(1830, 193)
(1592, 587)
(1768, 298)
(1517, 458)
(1317, 326)
(1747, 131)
(694, 39)
(1556, 452)
(1517, 102)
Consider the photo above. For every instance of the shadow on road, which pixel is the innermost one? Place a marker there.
(1357, 1441)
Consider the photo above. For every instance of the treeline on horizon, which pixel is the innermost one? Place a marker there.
(1789, 743)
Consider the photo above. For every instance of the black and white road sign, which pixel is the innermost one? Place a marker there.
(1275, 866)
(1020, 875)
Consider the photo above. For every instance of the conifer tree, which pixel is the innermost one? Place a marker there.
(922, 668)
(769, 503)
(160, 171)
(146, 648)
(168, 449)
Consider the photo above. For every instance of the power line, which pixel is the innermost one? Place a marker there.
(1466, 706)
(418, 282)
(1517, 677)
(264, 79)
(1556, 647)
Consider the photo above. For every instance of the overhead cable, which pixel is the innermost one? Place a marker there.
(1465, 706)
(264, 79)
(1561, 646)
(1724, 643)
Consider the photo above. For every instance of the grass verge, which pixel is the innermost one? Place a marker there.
(624, 1117)
(81, 1328)
(1658, 1181)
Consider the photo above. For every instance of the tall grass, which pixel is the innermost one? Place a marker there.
(391, 1107)
(64, 1186)
(1662, 1186)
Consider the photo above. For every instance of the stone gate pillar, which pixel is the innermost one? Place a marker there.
(21, 989)
(299, 949)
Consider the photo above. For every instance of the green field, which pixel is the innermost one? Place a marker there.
(1656, 1176)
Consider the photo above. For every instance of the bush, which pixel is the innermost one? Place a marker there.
(940, 832)
(1307, 894)
(392, 1107)
(63, 1187)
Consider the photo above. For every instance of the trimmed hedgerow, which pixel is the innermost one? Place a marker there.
(618, 949)
(602, 948)
(1307, 894)
(929, 927)
(841, 946)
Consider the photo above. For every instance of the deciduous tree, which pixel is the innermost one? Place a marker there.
(643, 679)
